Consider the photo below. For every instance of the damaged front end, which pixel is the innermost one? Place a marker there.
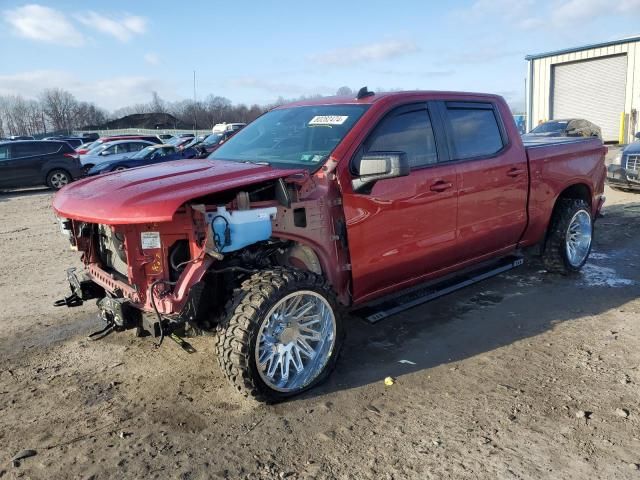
(176, 276)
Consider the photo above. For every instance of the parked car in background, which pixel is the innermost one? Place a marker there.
(13, 138)
(84, 147)
(147, 156)
(574, 127)
(165, 136)
(75, 142)
(115, 138)
(623, 173)
(112, 151)
(227, 127)
(90, 137)
(179, 142)
(213, 141)
(29, 163)
(195, 141)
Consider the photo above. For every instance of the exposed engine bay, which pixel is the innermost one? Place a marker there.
(164, 276)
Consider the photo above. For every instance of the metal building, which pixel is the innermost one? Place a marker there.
(600, 83)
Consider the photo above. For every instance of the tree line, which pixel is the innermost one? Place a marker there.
(57, 111)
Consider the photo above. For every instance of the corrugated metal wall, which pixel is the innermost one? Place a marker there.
(540, 82)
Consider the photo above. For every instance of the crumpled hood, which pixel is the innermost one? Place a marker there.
(154, 193)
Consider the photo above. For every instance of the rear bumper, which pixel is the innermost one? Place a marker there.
(76, 172)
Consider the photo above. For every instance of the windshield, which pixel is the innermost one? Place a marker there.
(99, 148)
(551, 127)
(193, 142)
(145, 152)
(292, 137)
(95, 144)
(213, 139)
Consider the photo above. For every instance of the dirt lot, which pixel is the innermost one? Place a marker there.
(527, 375)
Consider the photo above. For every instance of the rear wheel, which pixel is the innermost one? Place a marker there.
(282, 334)
(58, 178)
(570, 235)
(119, 169)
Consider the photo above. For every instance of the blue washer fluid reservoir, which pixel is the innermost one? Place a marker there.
(246, 226)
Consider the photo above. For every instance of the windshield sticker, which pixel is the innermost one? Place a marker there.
(328, 120)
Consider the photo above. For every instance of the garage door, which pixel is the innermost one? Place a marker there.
(593, 90)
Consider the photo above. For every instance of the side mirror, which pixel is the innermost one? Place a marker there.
(104, 153)
(637, 135)
(376, 166)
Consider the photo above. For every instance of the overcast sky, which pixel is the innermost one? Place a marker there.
(116, 52)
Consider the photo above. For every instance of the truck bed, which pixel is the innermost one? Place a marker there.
(544, 141)
(555, 163)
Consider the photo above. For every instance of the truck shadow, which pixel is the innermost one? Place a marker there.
(32, 192)
(516, 305)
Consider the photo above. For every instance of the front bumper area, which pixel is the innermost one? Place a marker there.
(620, 177)
(120, 305)
(81, 290)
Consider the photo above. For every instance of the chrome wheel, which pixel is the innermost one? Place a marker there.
(295, 341)
(59, 180)
(578, 238)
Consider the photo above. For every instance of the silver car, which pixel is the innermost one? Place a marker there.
(108, 152)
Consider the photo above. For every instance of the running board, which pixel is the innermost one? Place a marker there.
(380, 310)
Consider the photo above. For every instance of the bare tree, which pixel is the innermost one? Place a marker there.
(157, 104)
(59, 107)
(345, 91)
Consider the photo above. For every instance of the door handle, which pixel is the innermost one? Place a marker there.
(515, 172)
(440, 186)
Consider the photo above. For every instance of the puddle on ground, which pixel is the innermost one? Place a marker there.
(599, 276)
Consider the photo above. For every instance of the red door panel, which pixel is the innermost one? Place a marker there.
(404, 229)
(492, 204)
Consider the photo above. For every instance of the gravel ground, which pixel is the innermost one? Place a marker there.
(527, 375)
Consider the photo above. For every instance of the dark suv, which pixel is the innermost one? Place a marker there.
(38, 162)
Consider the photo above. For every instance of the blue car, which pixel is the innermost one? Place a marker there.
(147, 156)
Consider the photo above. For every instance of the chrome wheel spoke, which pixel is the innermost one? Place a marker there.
(296, 359)
(578, 238)
(308, 334)
(284, 366)
(305, 348)
(295, 341)
(275, 361)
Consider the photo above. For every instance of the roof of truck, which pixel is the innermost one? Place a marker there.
(379, 96)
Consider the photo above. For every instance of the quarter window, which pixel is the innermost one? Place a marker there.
(407, 131)
(50, 147)
(29, 149)
(475, 130)
(4, 152)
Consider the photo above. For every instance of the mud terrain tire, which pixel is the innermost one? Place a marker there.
(555, 256)
(238, 334)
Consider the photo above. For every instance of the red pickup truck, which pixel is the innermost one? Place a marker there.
(320, 207)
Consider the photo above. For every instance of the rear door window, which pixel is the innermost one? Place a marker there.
(474, 130)
(120, 148)
(51, 147)
(27, 149)
(136, 147)
(4, 152)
